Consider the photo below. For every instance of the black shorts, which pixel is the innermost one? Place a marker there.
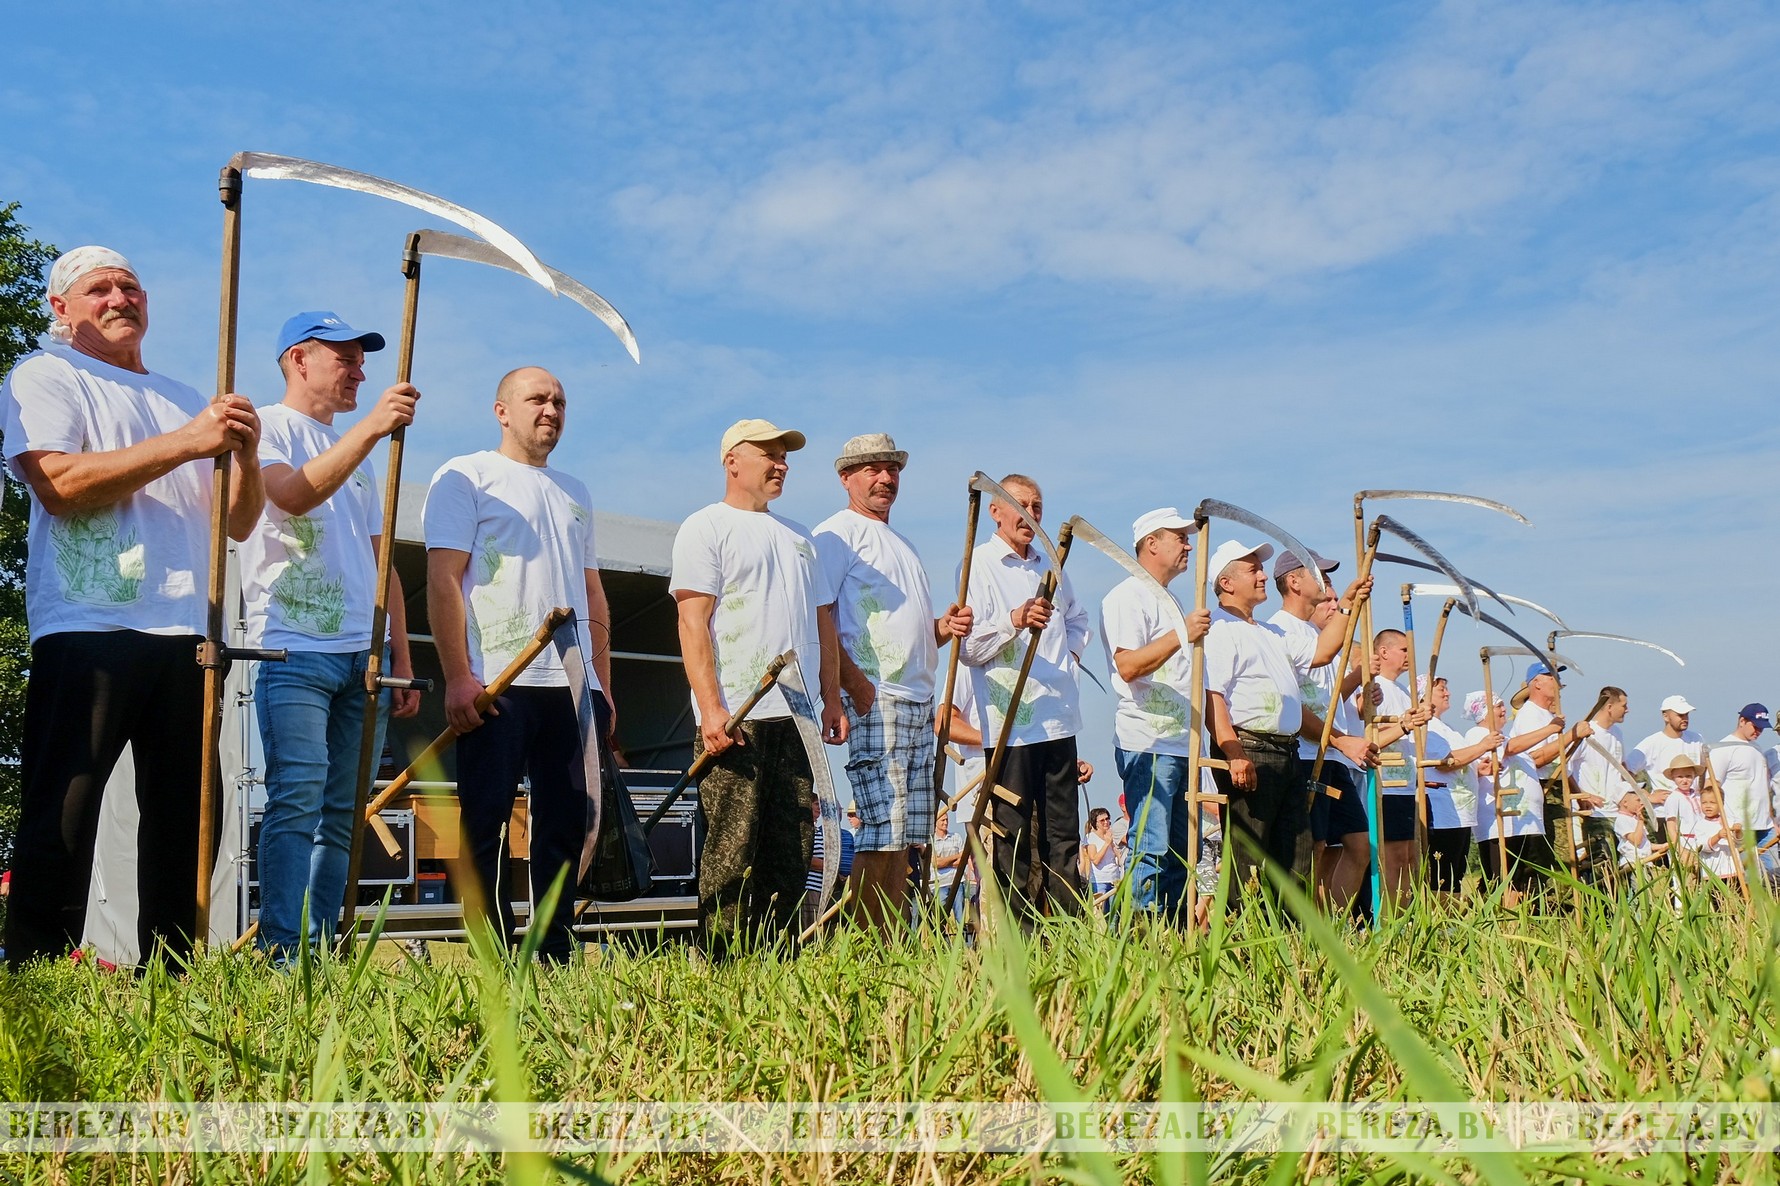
(1449, 852)
(1399, 817)
(1333, 817)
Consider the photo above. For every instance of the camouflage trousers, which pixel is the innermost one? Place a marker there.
(758, 834)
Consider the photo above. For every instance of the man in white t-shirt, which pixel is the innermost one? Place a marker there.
(1537, 741)
(508, 539)
(889, 651)
(1253, 671)
(1396, 825)
(1651, 756)
(1598, 782)
(1341, 845)
(1041, 767)
(116, 458)
(750, 586)
(1741, 770)
(308, 577)
(1152, 728)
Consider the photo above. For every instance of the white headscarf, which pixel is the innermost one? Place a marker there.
(1476, 706)
(70, 267)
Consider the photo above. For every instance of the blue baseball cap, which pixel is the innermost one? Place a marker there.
(324, 325)
(1757, 715)
(1539, 668)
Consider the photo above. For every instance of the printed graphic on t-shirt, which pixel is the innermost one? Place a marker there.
(877, 651)
(1166, 708)
(98, 564)
(303, 592)
(1001, 690)
(732, 627)
(497, 627)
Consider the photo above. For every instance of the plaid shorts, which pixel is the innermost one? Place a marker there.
(890, 766)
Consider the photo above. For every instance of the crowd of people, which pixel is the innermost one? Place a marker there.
(117, 461)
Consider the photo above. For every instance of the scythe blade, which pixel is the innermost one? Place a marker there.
(1211, 508)
(450, 246)
(269, 166)
(1507, 599)
(1488, 504)
(1468, 590)
(1639, 642)
(1531, 648)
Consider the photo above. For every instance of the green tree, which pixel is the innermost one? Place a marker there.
(23, 318)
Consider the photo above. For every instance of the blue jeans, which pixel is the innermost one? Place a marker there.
(1161, 854)
(311, 713)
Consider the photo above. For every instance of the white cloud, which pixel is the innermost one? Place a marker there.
(1125, 167)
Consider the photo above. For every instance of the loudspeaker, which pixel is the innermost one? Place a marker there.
(376, 867)
(677, 839)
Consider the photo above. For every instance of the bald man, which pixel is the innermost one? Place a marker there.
(508, 539)
(117, 460)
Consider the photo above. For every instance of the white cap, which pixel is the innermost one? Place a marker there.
(1677, 704)
(1232, 549)
(1160, 519)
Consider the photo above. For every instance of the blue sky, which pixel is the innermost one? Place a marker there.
(1269, 254)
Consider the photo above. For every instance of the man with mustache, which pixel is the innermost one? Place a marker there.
(309, 580)
(508, 539)
(750, 587)
(889, 651)
(1042, 767)
(114, 456)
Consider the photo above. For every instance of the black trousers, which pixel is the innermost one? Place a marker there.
(537, 736)
(91, 693)
(1269, 824)
(1048, 819)
(1529, 860)
(759, 835)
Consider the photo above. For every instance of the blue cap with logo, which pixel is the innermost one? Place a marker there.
(1757, 715)
(1540, 667)
(324, 325)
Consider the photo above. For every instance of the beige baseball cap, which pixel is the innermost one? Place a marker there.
(759, 432)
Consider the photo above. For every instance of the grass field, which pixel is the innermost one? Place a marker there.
(1634, 1003)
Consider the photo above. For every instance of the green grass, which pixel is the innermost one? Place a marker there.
(1629, 1003)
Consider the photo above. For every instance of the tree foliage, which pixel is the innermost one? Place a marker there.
(23, 318)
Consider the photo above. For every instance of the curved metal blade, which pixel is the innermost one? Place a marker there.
(1085, 530)
(809, 731)
(981, 481)
(449, 246)
(1504, 598)
(1211, 508)
(1469, 591)
(1532, 648)
(1639, 642)
(269, 166)
(1488, 504)
(1412, 562)
(1530, 652)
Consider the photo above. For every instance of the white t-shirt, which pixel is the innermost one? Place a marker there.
(529, 532)
(1652, 756)
(1455, 804)
(1155, 709)
(882, 607)
(1316, 686)
(1772, 754)
(1518, 785)
(1050, 705)
(1623, 827)
(1711, 839)
(141, 563)
(1395, 702)
(764, 572)
(1255, 667)
(310, 581)
(1743, 773)
(1594, 773)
